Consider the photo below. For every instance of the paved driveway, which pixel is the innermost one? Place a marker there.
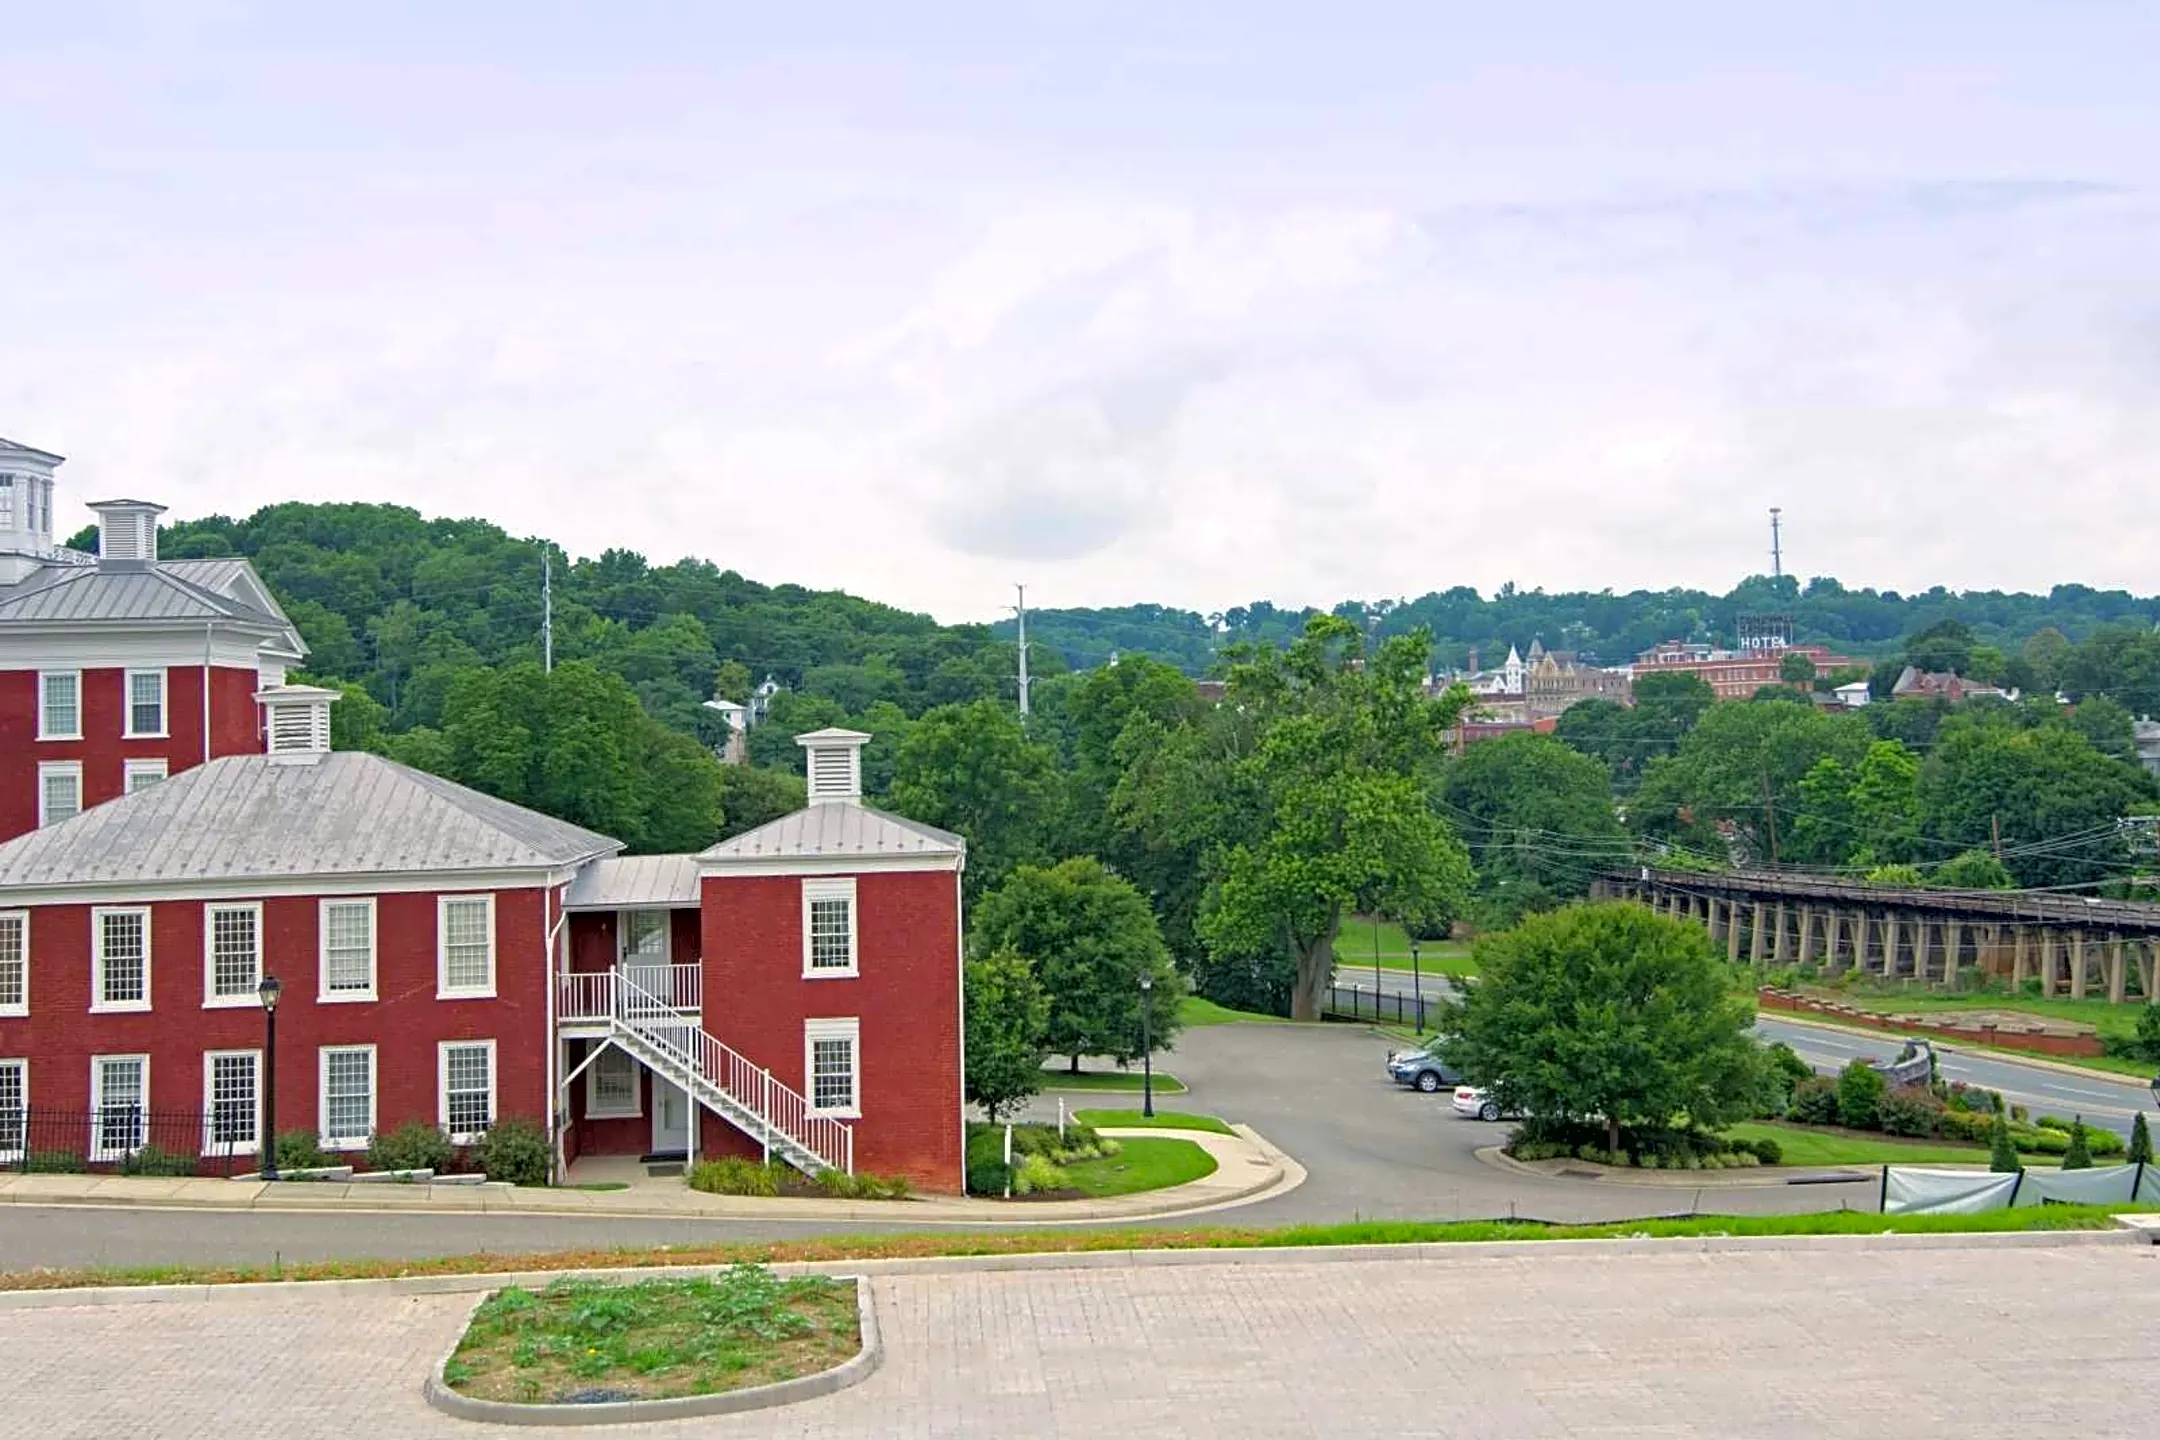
(1531, 1343)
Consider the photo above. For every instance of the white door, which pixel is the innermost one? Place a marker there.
(670, 1118)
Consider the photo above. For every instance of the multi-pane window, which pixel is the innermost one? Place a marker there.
(829, 927)
(119, 1094)
(235, 948)
(15, 962)
(468, 1089)
(60, 705)
(348, 949)
(7, 501)
(59, 791)
(122, 940)
(14, 1108)
(232, 1113)
(645, 935)
(142, 774)
(348, 1096)
(466, 925)
(830, 1058)
(611, 1085)
(146, 702)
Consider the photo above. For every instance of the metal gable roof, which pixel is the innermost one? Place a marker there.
(837, 830)
(635, 882)
(249, 817)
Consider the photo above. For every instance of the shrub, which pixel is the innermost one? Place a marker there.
(2140, 1152)
(2034, 1141)
(1037, 1174)
(1784, 1071)
(2148, 1032)
(1966, 1126)
(2053, 1122)
(1766, 1150)
(1860, 1091)
(54, 1162)
(1910, 1111)
(735, 1175)
(1814, 1102)
(988, 1177)
(157, 1160)
(515, 1149)
(2002, 1155)
(2104, 1144)
(863, 1185)
(300, 1150)
(1784, 978)
(414, 1145)
(2079, 1155)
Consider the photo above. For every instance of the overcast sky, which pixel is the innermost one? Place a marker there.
(1195, 303)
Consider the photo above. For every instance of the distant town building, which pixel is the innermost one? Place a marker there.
(734, 747)
(1943, 685)
(2145, 734)
(1734, 674)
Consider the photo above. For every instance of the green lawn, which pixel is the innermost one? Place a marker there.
(1141, 1164)
(1194, 1010)
(1806, 1145)
(1057, 1077)
(1160, 1120)
(2117, 1020)
(1354, 948)
(653, 1339)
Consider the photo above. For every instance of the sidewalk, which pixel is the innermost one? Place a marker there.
(1247, 1168)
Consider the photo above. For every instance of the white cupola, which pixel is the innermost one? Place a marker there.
(127, 532)
(296, 722)
(835, 765)
(26, 509)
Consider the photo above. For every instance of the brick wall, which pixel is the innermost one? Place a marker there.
(907, 999)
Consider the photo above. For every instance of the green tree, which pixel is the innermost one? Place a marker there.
(1945, 646)
(972, 769)
(2140, 1152)
(1348, 736)
(1607, 1012)
(1740, 766)
(1860, 1091)
(1089, 936)
(1535, 812)
(2079, 1155)
(1972, 870)
(1008, 1015)
(1797, 668)
(751, 795)
(2056, 798)
(2002, 1151)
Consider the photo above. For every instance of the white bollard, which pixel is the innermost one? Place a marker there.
(1008, 1160)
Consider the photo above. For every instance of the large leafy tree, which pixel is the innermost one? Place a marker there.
(1008, 1017)
(1606, 1013)
(2056, 799)
(1627, 738)
(1345, 742)
(1742, 766)
(1536, 813)
(1859, 815)
(972, 769)
(1090, 937)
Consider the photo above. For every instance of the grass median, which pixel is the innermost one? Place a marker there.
(1805, 1146)
(1160, 1120)
(1121, 1081)
(1035, 1242)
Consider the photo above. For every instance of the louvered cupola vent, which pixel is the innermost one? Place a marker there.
(296, 722)
(835, 764)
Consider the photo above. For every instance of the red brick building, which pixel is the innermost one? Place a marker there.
(1734, 674)
(441, 955)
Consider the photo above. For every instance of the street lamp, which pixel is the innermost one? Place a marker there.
(1147, 1045)
(268, 992)
(1417, 988)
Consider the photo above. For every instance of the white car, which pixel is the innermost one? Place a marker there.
(1470, 1100)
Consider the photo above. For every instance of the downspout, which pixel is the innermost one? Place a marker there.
(556, 1166)
(960, 985)
(206, 692)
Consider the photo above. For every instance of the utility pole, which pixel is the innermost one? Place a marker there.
(547, 609)
(1995, 829)
(1777, 551)
(1021, 611)
(1769, 810)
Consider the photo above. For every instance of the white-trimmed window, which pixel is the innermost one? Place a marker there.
(466, 1083)
(145, 704)
(832, 1071)
(142, 774)
(14, 962)
(232, 1104)
(120, 948)
(465, 946)
(347, 1111)
(644, 936)
(59, 791)
(119, 1104)
(14, 1108)
(348, 949)
(611, 1086)
(232, 954)
(828, 923)
(59, 715)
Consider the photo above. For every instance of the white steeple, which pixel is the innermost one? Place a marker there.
(835, 765)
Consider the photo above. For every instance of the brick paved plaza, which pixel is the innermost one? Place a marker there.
(1534, 1342)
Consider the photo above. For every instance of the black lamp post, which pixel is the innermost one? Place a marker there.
(1417, 986)
(1147, 1045)
(268, 992)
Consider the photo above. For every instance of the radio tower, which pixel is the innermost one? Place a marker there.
(1020, 610)
(1777, 555)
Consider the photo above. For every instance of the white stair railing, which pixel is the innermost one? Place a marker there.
(783, 1115)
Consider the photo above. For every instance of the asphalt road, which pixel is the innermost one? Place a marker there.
(2104, 1102)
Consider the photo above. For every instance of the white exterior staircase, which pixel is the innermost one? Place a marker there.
(667, 1035)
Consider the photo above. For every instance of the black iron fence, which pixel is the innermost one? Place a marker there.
(125, 1140)
(1358, 1002)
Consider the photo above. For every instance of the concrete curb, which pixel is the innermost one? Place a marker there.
(1756, 1179)
(852, 1371)
(1465, 1251)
